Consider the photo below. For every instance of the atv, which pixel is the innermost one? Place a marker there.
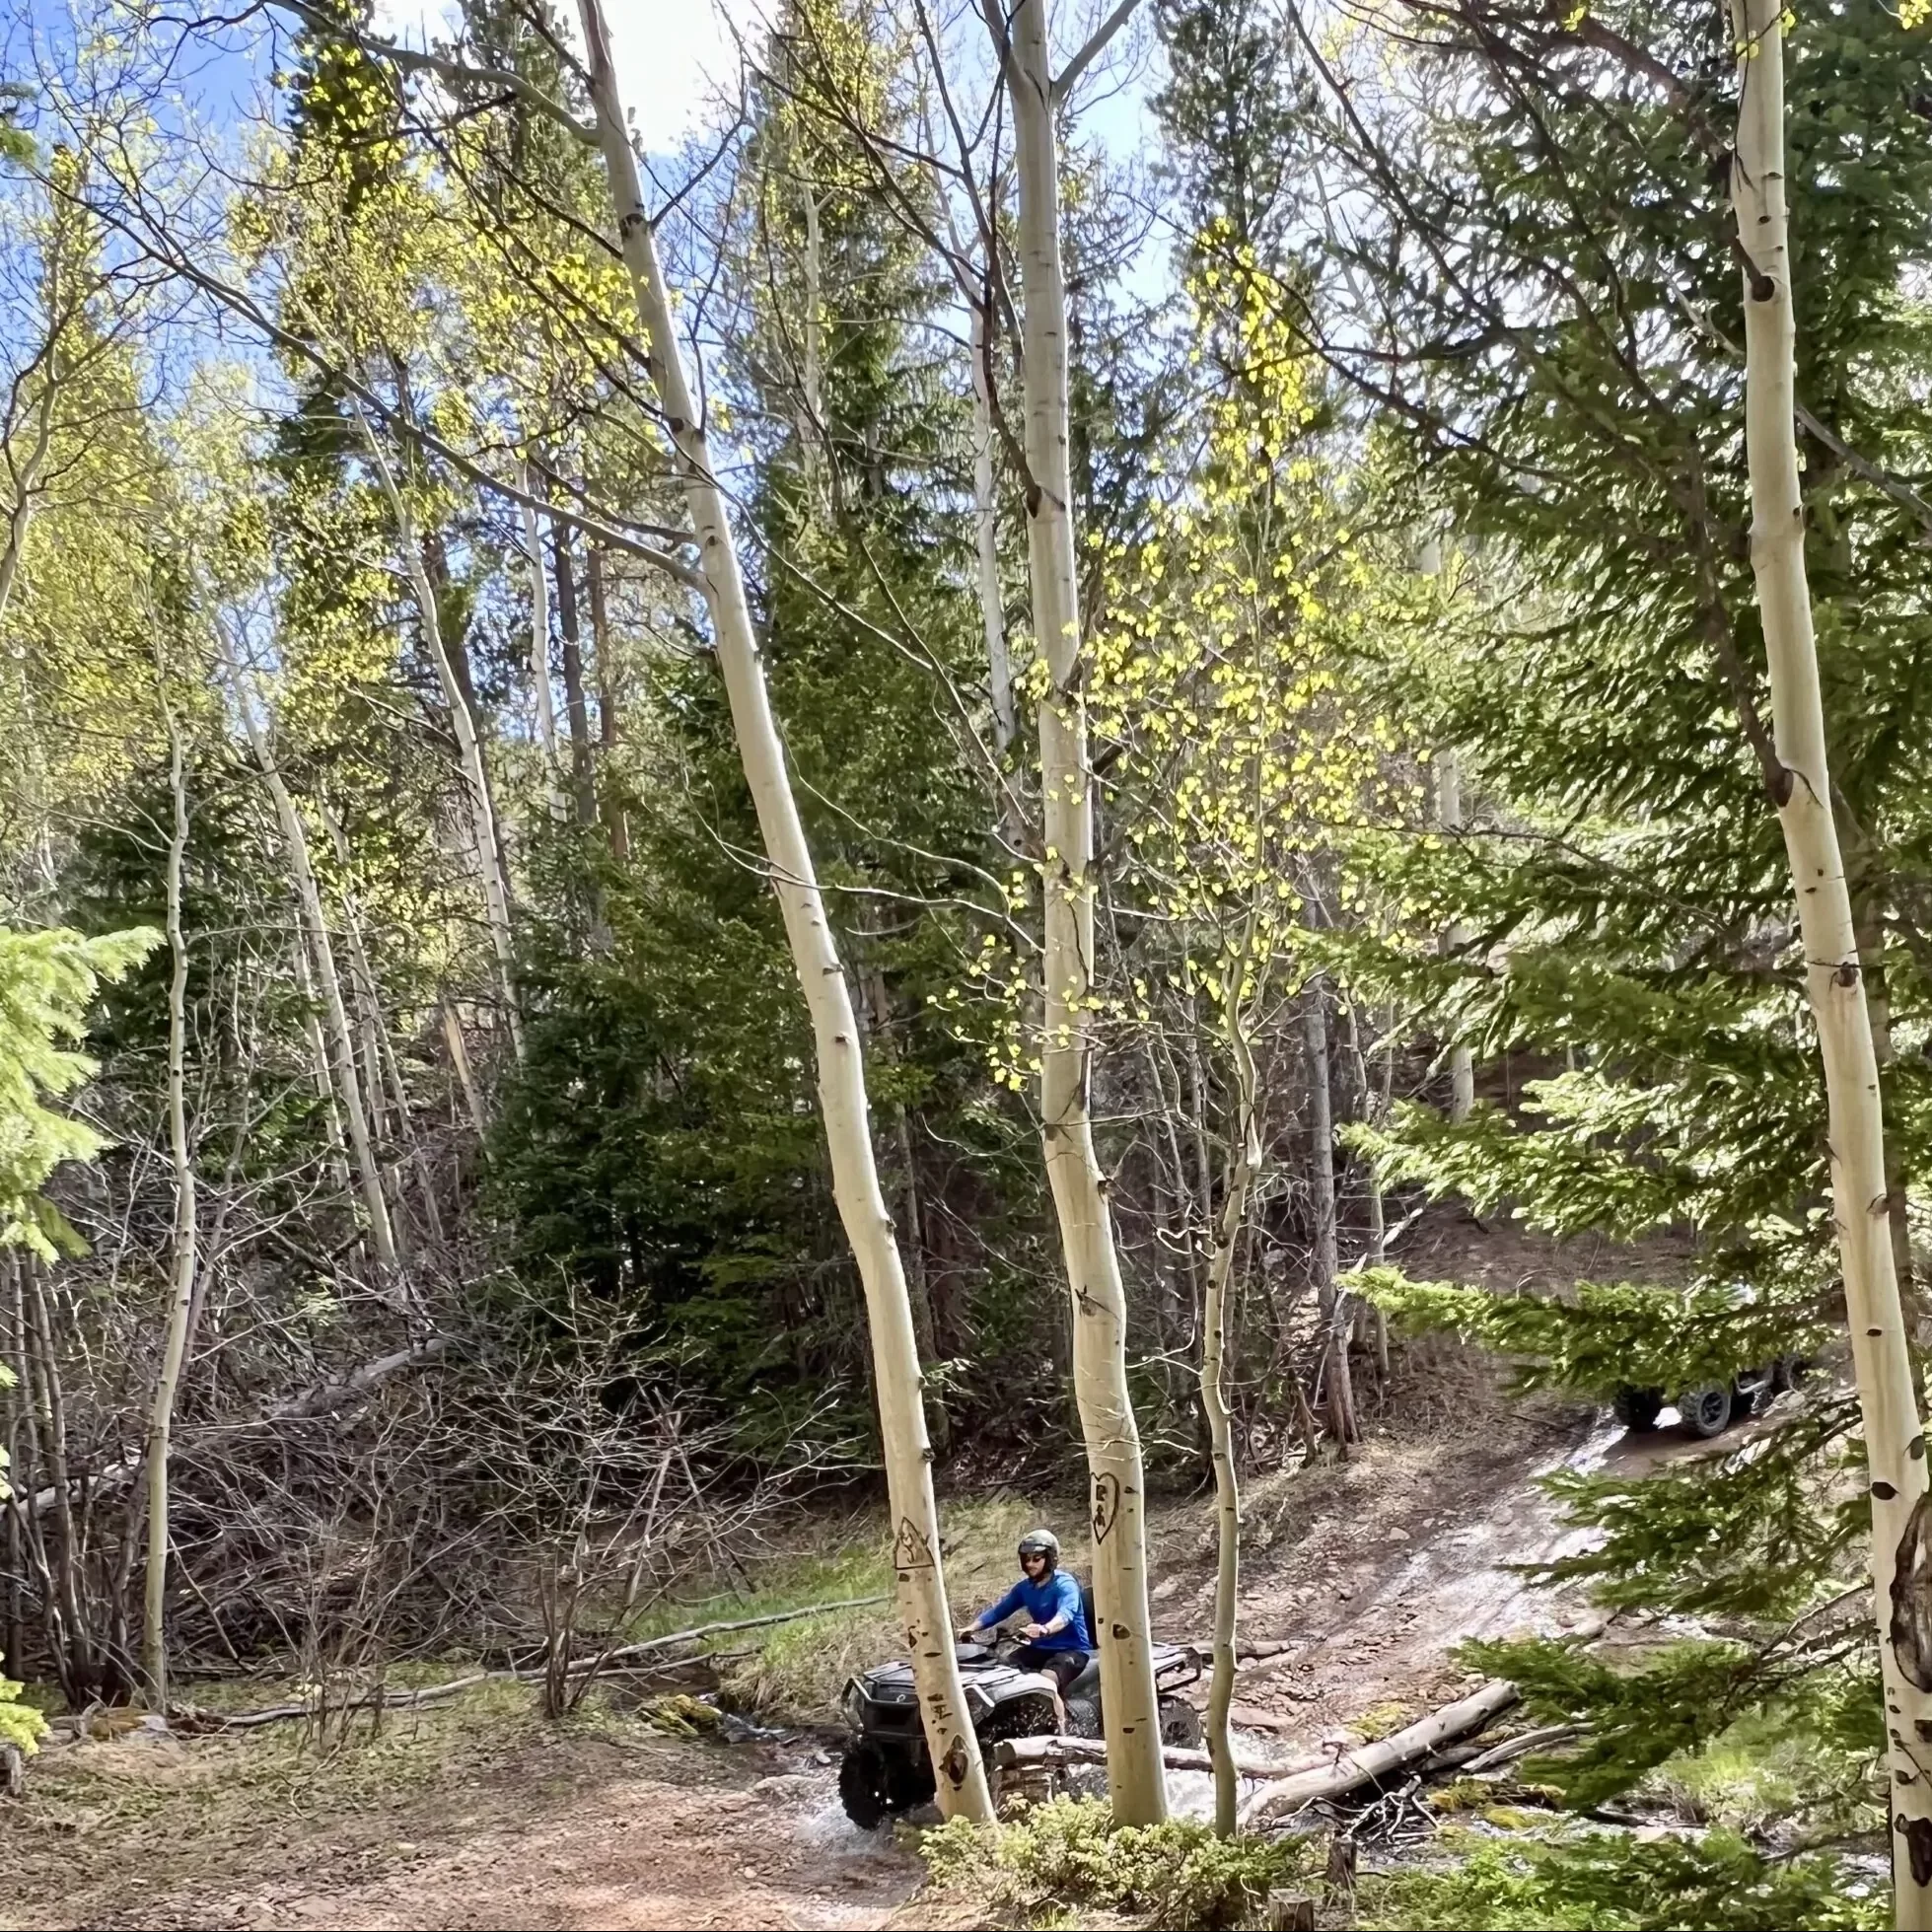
(1710, 1410)
(887, 1770)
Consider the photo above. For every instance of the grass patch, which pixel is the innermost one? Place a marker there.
(172, 1793)
(799, 1669)
(1383, 1721)
(1460, 1795)
(1766, 1771)
(1060, 1863)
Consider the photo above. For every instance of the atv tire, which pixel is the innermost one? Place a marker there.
(1180, 1724)
(1706, 1413)
(1084, 1717)
(1019, 1717)
(1638, 1408)
(864, 1786)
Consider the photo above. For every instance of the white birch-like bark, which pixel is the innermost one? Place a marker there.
(324, 1078)
(1338, 1391)
(1244, 1165)
(921, 1590)
(321, 957)
(577, 711)
(811, 428)
(1449, 815)
(382, 1080)
(985, 536)
(181, 1297)
(1895, 1447)
(1375, 1111)
(540, 648)
(466, 1078)
(26, 474)
(1135, 1771)
(476, 778)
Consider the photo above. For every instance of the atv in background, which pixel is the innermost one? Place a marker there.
(887, 1768)
(1710, 1410)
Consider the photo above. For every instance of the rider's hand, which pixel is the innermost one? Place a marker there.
(1031, 1630)
(971, 1634)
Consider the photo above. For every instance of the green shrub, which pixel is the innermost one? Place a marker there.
(1068, 1853)
(20, 1725)
(1607, 1882)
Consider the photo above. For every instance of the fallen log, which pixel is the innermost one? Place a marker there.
(719, 1629)
(1521, 1745)
(608, 1660)
(1059, 1751)
(1371, 1763)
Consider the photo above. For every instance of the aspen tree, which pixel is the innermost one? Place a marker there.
(321, 957)
(1128, 1699)
(476, 781)
(181, 1294)
(1242, 1167)
(1894, 1446)
(921, 1592)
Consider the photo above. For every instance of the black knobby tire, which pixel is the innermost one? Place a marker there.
(863, 1781)
(1180, 1724)
(1027, 1716)
(1706, 1413)
(1084, 1716)
(1638, 1408)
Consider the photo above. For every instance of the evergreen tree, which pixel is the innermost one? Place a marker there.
(1548, 251)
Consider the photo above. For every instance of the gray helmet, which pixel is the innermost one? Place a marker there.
(1041, 1542)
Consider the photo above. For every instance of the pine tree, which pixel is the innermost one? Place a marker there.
(1620, 892)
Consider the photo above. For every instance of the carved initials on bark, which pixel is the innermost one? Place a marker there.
(1106, 1505)
(911, 1550)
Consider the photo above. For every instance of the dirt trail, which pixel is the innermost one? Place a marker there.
(1370, 1572)
(558, 1835)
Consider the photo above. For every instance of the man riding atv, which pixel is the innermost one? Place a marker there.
(1047, 1683)
(1055, 1638)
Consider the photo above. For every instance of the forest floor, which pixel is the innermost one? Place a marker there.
(477, 1816)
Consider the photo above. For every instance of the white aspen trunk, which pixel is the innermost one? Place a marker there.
(608, 721)
(1372, 1115)
(466, 1079)
(921, 1589)
(1449, 815)
(576, 706)
(21, 517)
(985, 535)
(324, 1078)
(1895, 1447)
(483, 813)
(399, 1092)
(321, 957)
(1134, 1774)
(382, 1082)
(811, 415)
(181, 1302)
(1338, 1393)
(539, 649)
(1244, 1165)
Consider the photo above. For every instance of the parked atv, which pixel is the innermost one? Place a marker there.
(1710, 1410)
(887, 1768)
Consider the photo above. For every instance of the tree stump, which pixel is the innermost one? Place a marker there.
(1290, 1912)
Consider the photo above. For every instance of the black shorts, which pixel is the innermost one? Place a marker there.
(1062, 1666)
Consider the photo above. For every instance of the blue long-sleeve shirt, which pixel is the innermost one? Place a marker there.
(1055, 1594)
